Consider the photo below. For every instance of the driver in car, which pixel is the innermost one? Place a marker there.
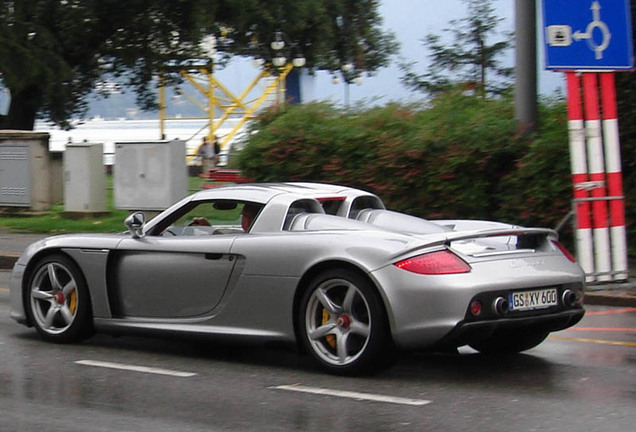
(247, 218)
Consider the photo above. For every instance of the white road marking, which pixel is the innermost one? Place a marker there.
(352, 395)
(135, 368)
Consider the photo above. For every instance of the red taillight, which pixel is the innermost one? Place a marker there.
(475, 308)
(435, 263)
(565, 252)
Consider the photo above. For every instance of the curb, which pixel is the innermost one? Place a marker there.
(610, 299)
(8, 259)
(617, 294)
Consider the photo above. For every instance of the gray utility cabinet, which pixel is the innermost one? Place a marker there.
(150, 175)
(84, 178)
(15, 175)
(25, 172)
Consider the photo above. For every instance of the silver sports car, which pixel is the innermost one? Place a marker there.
(324, 266)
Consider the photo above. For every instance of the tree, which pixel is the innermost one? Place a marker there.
(626, 93)
(328, 33)
(53, 53)
(468, 60)
(626, 100)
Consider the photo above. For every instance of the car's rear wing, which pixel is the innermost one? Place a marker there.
(488, 243)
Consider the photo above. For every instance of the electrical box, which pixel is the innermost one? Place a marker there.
(150, 175)
(15, 175)
(25, 170)
(84, 178)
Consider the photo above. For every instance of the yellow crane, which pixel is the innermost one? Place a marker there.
(218, 98)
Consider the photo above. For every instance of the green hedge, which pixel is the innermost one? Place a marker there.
(458, 157)
(538, 192)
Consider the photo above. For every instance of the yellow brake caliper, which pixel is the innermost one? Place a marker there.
(331, 339)
(73, 302)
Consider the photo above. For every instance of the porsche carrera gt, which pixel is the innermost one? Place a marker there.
(326, 267)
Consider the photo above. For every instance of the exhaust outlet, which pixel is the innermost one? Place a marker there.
(569, 298)
(500, 306)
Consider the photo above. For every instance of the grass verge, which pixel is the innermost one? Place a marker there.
(53, 222)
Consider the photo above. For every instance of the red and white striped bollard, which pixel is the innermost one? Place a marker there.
(614, 178)
(600, 229)
(578, 163)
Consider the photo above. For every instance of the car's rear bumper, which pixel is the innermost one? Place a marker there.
(468, 332)
(426, 311)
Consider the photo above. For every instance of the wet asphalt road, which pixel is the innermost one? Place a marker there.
(578, 380)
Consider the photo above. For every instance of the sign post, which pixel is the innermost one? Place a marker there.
(614, 178)
(593, 37)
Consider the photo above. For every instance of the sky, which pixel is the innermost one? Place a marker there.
(410, 21)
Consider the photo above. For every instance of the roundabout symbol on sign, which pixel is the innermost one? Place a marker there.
(596, 23)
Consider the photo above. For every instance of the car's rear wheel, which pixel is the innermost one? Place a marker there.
(58, 303)
(343, 324)
(510, 342)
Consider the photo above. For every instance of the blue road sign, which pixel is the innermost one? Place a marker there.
(588, 34)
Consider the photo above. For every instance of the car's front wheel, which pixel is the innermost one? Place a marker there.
(343, 324)
(510, 342)
(57, 301)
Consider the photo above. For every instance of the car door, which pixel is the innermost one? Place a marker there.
(169, 277)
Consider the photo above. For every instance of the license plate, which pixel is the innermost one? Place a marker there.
(528, 300)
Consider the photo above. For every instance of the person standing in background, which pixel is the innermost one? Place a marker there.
(217, 151)
(206, 151)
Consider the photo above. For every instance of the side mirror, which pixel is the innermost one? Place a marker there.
(135, 224)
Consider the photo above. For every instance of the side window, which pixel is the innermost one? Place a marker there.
(364, 202)
(212, 218)
(331, 206)
(300, 207)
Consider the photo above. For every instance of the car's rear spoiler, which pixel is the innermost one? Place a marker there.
(526, 239)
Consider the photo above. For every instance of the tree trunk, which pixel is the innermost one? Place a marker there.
(22, 110)
(483, 67)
